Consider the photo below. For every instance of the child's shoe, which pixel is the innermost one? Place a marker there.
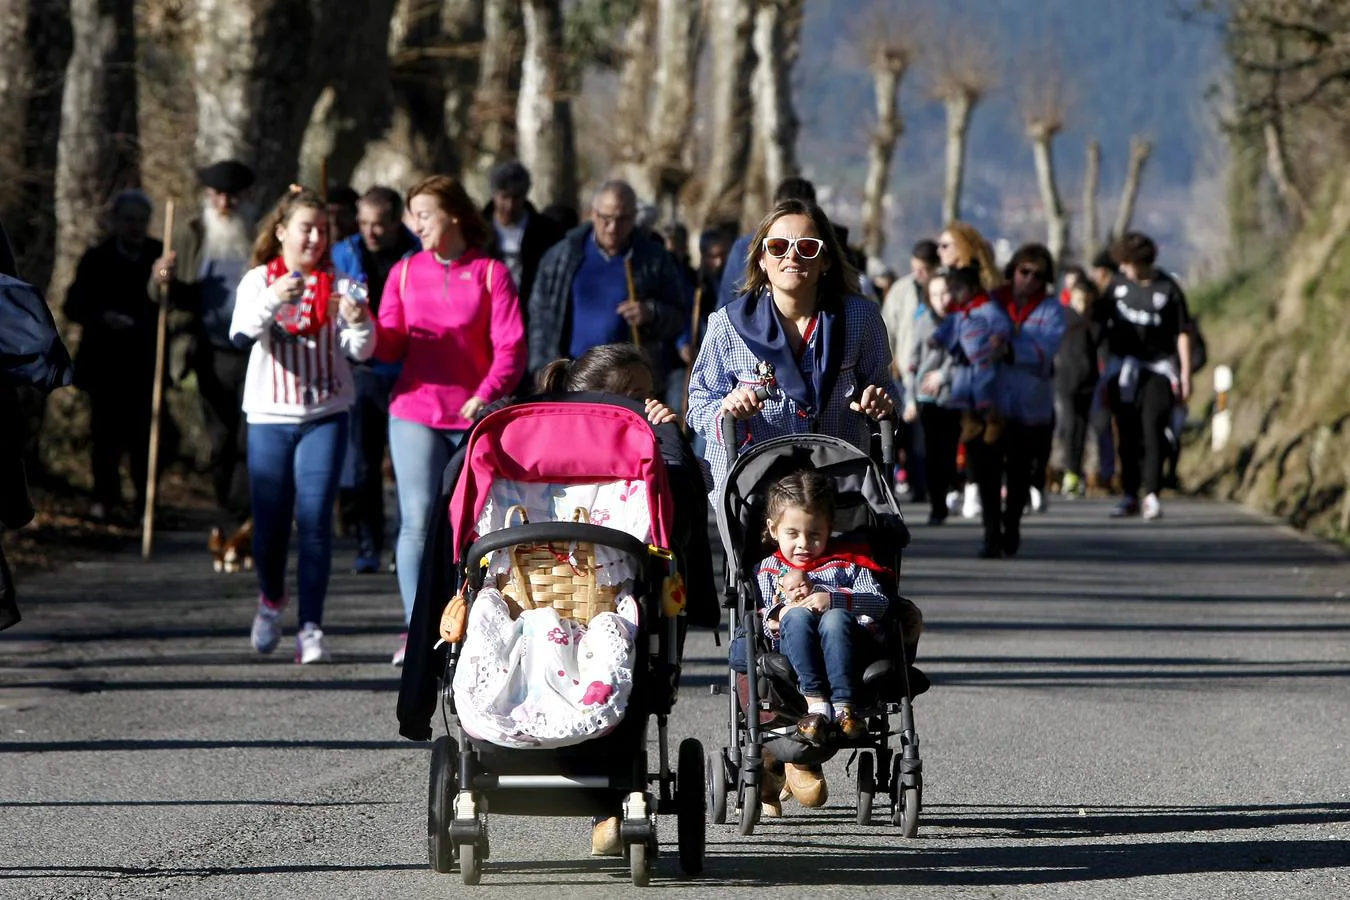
(813, 728)
(1072, 485)
(852, 728)
(972, 426)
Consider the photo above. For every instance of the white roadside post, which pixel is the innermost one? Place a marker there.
(1223, 417)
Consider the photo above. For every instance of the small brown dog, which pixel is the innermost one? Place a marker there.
(235, 554)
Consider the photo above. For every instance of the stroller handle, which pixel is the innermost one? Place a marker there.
(728, 425)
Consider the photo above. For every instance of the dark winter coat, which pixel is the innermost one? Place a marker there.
(656, 278)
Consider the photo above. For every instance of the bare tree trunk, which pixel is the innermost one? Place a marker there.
(633, 101)
(777, 43)
(433, 50)
(257, 83)
(733, 64)
(494, 103)
(667, 162)
(888, 67)
(1277, 166)
(1056, 222)
(543, 112)
(98, 146)
(1140, 150)
(357, 100)
(1091, 179)
(959, 104)
(35, 41)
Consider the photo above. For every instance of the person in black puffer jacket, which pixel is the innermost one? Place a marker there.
(1075, 380)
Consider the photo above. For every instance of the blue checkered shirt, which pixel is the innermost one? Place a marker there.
(724, 361)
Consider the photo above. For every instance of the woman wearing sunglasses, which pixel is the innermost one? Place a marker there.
(801, 332)
(1025, 397)
(799, 351)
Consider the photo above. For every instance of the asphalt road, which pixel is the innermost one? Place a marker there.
(1130, 710)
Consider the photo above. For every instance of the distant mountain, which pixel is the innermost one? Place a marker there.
(1130, 66)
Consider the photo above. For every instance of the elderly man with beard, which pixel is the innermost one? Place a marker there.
(210, 255)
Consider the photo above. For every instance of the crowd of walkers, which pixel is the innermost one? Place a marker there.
(335, 331)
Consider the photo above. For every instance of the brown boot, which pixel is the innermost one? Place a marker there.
(807, 784)
(771, 792)
(605, 839)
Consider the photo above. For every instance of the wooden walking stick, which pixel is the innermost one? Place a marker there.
(632, 295)
(157, 396)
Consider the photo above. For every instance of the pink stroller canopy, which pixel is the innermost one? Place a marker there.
(573, 443)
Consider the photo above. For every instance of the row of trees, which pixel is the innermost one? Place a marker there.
(97, 95)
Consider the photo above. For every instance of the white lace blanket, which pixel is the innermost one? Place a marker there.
(541, 681)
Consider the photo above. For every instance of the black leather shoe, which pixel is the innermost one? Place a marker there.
(991, 551)
(1012, 542)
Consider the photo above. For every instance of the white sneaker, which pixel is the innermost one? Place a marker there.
(953, 501)
(309, 646)
(1152, 507)
(402, 650)
(1038, 503)
(267, 626)
(970, 508)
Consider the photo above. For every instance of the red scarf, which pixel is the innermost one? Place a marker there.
(849, 554)
(1019, 314)
(309, 314)
(969, 306)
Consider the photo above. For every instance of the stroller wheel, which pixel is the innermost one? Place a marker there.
(639, 866)
(470, 864)
(867, 786)
(691, 799)
(905, 813)
(749, 810)
(717, 787)
(440, 804)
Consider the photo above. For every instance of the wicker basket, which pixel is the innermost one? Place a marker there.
(564, 578)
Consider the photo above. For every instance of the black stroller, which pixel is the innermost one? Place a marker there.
(765, 704)
(607, 775)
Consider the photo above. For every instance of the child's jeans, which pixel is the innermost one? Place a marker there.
(824, 649)
(293, 471)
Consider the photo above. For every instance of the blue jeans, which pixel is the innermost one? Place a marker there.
(420, 455)
(293, 471)
(825, 650)
(365, 455)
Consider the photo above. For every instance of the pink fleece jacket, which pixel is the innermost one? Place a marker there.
(456, 327)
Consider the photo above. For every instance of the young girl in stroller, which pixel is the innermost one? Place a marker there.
(821, 605)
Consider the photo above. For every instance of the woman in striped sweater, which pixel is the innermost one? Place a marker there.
(296, 395)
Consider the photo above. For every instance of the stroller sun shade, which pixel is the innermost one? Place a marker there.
(572, 443)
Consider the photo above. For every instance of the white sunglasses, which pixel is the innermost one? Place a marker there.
(806, 247)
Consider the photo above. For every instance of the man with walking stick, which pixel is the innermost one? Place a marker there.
(603, 283)
(210, 255)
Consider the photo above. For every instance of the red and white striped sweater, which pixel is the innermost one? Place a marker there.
(294, 379)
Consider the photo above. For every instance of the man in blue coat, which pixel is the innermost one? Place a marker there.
(371, 256)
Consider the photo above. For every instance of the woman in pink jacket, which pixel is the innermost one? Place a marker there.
(450, 314)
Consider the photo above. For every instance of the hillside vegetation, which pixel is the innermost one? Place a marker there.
(1282, 324)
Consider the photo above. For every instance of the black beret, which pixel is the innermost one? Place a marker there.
(229, 176)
